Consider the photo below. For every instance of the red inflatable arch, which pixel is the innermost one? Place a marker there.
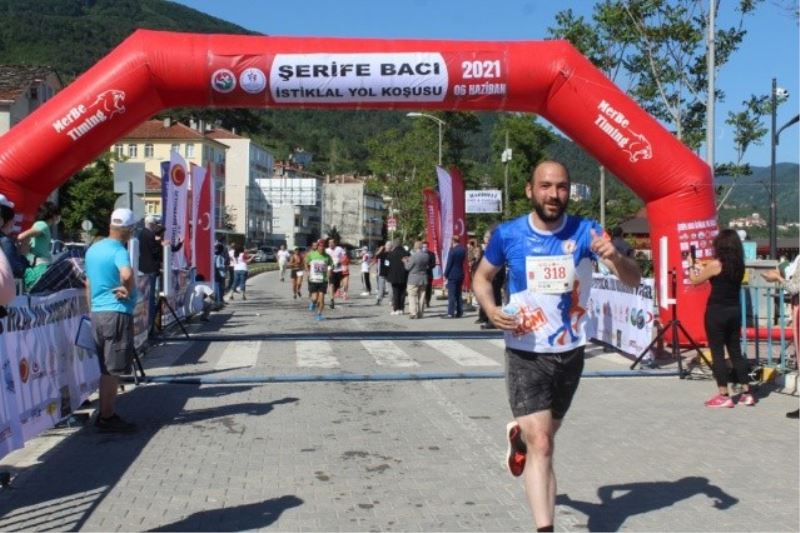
(152, 71)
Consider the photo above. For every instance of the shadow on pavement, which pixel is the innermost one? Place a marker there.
(79, 472)
(238, 518)
(643, 497)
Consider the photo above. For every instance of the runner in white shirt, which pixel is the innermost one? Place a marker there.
(336, 254)
(283, 259)
(365, 281)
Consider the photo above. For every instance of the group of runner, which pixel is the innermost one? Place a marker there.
(325, 268)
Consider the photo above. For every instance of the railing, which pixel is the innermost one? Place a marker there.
(766, 331)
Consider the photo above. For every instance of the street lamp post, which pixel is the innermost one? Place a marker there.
(776, 94)
(438, 121)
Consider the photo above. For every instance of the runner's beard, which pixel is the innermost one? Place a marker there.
(544, 215)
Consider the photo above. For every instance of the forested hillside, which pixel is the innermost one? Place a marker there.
(72, 35)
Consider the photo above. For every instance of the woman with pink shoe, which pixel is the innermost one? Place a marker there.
(723, 319)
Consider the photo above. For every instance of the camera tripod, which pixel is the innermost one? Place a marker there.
(674, 326)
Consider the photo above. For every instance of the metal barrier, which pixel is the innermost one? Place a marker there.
(765, 326)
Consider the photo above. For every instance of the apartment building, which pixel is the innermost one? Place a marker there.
(246, 164)
(356, 213)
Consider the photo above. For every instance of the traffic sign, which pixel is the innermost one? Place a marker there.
(125, 173)
(87, 225)
(138, 205)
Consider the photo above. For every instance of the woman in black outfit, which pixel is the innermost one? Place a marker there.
(723, 319)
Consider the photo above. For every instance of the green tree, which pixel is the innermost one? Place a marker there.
(89, 195)
(660, 47)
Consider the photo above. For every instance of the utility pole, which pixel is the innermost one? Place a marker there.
(603, 197)
(773, 211)
(711, 100)
(506, 159)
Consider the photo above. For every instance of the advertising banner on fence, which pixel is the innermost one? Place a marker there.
(488, 201)
(51, 376)
(622, 316)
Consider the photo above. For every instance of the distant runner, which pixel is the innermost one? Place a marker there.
(318, 266)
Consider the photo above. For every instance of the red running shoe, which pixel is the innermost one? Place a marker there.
(515, 458)
(720, 400)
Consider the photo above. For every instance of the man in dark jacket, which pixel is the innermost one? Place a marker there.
(150, 259)
(431, 267)
(398, 276)
(454, 274)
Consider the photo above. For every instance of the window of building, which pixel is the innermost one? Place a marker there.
(189, 150)
(175, 148)
(132, 150)
(148, 151)
(118, 149)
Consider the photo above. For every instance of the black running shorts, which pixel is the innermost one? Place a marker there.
(317, 287)
(541, 381)
(336, 280)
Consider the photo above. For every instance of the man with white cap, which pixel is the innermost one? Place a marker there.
(111, 291)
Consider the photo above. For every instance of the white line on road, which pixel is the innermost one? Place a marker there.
(387, 353)
(461, 354)
(499, 343)
(315, 354)
(239, 354)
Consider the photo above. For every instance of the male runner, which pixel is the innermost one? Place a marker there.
(337, 255)
(549, 256)
(318, 265)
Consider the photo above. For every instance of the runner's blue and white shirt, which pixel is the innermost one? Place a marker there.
(549, 278)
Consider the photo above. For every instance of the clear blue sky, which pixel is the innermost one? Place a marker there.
(770, 48)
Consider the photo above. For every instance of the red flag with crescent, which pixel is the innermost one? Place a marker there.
(203, 223)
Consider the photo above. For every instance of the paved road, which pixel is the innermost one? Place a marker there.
(636, 453)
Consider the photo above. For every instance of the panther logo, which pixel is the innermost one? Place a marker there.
(111, 102)
(638, 148)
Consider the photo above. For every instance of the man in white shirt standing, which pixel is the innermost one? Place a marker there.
(283, 259)
(336, 253)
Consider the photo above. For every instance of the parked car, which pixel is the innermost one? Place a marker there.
(266, 254)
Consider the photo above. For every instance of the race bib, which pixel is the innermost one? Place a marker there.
(317, 272)
(550, 274)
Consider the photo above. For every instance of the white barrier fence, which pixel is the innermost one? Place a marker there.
(622, 316)
(45, 375)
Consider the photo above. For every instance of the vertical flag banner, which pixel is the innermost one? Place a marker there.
(203, 222)
(446, 211)
(433, 226)
(451, 196)
(176, 190)
(460, 219)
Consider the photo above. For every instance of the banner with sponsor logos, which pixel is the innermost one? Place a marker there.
(621, 316)
(484, 201)
(550, 78)
(49, 375)
(178, 297)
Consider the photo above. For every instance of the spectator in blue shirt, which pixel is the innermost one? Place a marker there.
(111, 291)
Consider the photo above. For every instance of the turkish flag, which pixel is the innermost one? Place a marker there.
(203, 226)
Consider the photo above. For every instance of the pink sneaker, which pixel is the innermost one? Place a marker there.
(746, 398)
(720, 401)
